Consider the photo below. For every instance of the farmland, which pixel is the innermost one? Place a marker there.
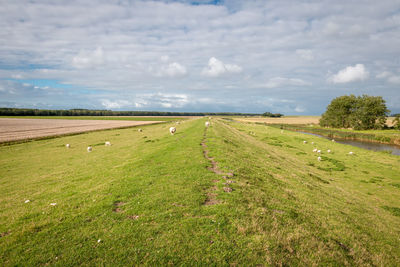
(13, 129)
(295, 120)
(155, 199)
(283, 120)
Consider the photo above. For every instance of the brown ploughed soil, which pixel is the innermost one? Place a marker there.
(20, 129)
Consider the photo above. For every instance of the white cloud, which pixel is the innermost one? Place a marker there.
(173, 69)
(173, 101)
(281, 81)
(350, 74)
(305, 54)
(383, 74)
(108, 104)
(17, 76)
(87, 59)
(389, 76)
(116, 44)
(217, 68)
(168, 69)
(299, 109)
(394, 79)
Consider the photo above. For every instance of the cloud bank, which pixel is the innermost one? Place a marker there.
(290, 57)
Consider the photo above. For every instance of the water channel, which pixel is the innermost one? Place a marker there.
(363, 144)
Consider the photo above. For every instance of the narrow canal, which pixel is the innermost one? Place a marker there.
(363, 144)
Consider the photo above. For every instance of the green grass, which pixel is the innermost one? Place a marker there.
(286, 207)
(387, 136)
(128, 118)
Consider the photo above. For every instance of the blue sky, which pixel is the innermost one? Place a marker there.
(291, 57)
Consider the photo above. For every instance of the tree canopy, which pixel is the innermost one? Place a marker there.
(273, 115)
(357, 112)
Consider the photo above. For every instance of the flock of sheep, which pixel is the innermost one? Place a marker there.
(172, 131)
(316, 150)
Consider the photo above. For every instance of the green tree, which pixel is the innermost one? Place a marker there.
(396, 122)
(339, 112)
(361, 113)
(371, 113)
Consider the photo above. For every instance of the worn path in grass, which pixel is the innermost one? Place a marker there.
(141, 200)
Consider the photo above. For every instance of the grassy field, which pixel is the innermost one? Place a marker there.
(141, 200)
(126, 118)
(310, 124)
(387, 136)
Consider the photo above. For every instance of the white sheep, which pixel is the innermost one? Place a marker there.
(178, 122)
(315, 150)
(67, 145)
(329, 151)
(351, 153)
(304, 142)
(89, 149)
(319, 151)
(319, 158)
(312, 143)
(207, 123)
(107, 143)
(333, 140)
(140, 130)
(172, 130)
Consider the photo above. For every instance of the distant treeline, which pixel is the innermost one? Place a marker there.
(273, 115)
(91, 112)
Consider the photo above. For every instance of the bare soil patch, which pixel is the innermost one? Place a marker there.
(12, 129)
(117, 206)
(211, 196)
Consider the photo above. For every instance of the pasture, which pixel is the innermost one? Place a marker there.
(231, 194)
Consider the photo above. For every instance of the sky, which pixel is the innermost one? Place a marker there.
(291, 57)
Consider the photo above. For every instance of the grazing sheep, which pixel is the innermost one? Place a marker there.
(178, 122)
(172, 130)
(108, 143)
(140, 130)
(312, 143)
(67, 145)
(53, 204)
(319, 151)
(319, 158)
(315, 150)
(207, 123)
(27, 201)
(89, 149)
(333, 140)
(351, 153)
(329, 151)
(304, 142)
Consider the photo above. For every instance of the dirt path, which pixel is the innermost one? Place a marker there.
(212, 194)
(12, 129)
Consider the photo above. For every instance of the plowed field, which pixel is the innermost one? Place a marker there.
(21, 129)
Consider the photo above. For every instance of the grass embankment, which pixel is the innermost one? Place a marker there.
(379, 136)
(125, 118)
(144, 197)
